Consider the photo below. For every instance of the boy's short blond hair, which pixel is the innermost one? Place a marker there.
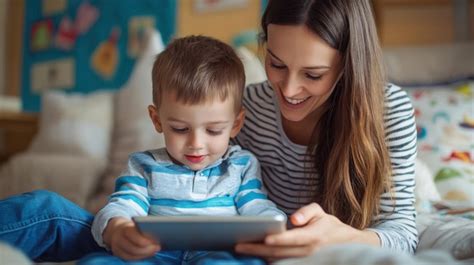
(198, 69)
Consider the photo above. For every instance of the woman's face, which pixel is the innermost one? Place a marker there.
(302, 69)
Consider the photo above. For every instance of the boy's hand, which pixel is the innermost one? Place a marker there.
(126, 242)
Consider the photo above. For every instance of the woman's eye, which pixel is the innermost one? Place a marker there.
(277, 66)
(179, 130)
(313, 77)
(214, 132)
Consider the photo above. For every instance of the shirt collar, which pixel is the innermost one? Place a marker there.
(162, 157)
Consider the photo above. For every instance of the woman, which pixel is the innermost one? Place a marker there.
(326, 154)
(336, 145)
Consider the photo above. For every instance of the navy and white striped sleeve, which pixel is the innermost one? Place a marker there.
(395, 225)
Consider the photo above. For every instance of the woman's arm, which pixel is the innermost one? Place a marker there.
(313, 229)
(396, 224)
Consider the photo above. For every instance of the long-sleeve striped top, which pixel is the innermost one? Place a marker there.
(283, 162)
(154, 185)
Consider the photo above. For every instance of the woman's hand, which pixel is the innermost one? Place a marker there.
(126, 242)
(313, 229)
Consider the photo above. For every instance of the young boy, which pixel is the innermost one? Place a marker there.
(197, 104)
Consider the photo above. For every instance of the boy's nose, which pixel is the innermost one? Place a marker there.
(194, 141)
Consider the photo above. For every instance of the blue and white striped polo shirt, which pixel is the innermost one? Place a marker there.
(154, 185)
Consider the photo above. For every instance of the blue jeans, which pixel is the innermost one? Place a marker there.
(47, 227)
(175, 258)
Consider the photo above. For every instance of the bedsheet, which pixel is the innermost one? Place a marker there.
(444, 116)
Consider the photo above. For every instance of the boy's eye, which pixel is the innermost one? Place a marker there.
(179, 130)
(214, 132)
(313, 77)
(277, 66)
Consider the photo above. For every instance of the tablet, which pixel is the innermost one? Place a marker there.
(208, 232)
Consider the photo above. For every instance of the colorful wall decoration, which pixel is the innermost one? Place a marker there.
(82, 46)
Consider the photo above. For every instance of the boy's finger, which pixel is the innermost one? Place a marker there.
(151, 239)
(137, 238)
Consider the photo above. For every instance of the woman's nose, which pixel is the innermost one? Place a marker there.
(289, 86)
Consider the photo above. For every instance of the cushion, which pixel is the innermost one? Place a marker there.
(425, 189)
(133, 129)
(445, 124)
(428, 65)
(75, 124)
(73, 176)
(254, 71)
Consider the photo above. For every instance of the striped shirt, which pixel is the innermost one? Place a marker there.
(284, 172)
(154, 185)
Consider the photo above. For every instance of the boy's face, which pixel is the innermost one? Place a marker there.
(196, 135)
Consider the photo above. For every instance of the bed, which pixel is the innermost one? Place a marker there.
(79, 153)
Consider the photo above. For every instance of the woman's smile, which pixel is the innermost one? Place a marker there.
(295, 101)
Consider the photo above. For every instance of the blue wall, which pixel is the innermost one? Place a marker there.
(112, 13)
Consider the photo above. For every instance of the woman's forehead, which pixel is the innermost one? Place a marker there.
(299, 45)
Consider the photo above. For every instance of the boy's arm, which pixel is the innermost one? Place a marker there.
(129, 199)
(251, 198)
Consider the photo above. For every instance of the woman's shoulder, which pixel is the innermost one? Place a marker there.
(399, 119)
(393, 91)
(259, 92)
(397, 102)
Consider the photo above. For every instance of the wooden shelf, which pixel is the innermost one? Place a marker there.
(17, 129)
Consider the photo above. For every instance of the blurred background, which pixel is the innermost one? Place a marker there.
(71, 72)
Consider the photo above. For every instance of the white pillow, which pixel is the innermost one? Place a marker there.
(133, 129)
(425, 189)
(75, 124)
(133, 98)
(254, 71)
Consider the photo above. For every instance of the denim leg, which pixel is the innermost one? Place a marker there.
(221, 257)
(106, 258)
(46, 226)
(169, 257)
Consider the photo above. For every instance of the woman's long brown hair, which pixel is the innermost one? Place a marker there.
(348, 145)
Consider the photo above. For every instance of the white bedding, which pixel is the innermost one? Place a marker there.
(355, 254)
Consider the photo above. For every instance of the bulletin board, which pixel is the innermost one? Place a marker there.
(82, 46)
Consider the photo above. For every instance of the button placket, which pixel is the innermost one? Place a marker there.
(200, 183)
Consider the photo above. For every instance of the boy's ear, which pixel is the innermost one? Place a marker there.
(155, 118)
(238, 123)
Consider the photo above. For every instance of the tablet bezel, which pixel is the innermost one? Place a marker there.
(208, 232)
